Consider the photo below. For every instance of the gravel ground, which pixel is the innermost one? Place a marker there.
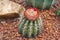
(51, 28)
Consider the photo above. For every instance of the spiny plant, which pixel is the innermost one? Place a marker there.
(42, 4)
(58, 12)
(31, 23)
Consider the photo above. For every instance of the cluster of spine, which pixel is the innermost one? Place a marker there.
(42, 4)
(29, 28)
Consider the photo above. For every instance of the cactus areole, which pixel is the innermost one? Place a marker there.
(31, 14)
(30, 23)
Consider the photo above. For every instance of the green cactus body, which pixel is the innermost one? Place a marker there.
(30, 23)
(58, 12)
(30, 28)
(42, 4)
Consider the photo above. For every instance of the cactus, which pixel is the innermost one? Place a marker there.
(58, 12)
(29, 26)
(9, 9)
(42, 4)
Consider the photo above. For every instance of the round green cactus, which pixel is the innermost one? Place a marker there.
(42, 4)
(29, 27)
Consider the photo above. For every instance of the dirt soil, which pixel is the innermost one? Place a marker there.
(50, 31)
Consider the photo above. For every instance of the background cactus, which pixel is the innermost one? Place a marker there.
(58, 12)
(29, 28)
(42, 4)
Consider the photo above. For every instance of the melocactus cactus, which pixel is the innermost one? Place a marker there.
(31, 23)
(42, 4)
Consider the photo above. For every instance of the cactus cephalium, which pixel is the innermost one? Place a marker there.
(31, 23)
(42, 4)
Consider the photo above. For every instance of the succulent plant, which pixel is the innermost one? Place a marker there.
(42, 4)
(31, 23)
(58, 12)
(9, 9)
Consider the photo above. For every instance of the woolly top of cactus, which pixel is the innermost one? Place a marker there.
(31, 14)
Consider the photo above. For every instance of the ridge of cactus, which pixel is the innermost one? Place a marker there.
(54, 2)
(41, 4)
